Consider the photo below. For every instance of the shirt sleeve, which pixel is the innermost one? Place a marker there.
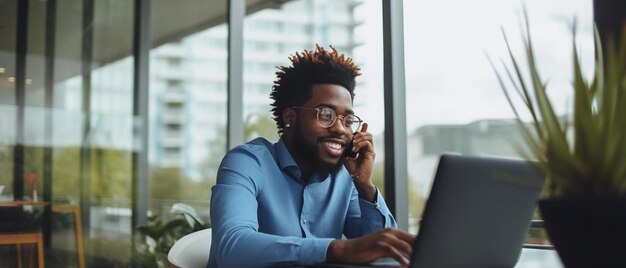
(236, 239)
(365, 217)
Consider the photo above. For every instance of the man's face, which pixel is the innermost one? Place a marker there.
(317, 147)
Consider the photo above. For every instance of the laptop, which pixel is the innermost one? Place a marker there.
(477, 215)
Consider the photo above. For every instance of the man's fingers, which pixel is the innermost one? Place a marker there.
(400, 234)
(407, 237)
(398, 244)
(390, 242)
(363, 140)
(400, 240)
(398, 256)
(364, 127)
(402, 246)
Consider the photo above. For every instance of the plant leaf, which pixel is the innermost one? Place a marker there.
(591, 161)
(190, 214)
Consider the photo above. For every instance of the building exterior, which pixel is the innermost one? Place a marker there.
(482, 137)
(189, 77)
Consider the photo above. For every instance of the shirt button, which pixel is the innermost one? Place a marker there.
(304, 222)
(377, 206)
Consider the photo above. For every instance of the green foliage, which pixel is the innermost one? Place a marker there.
(172, 184)
(583, 155)
(111, 173)
(66, 171)
(416, 199)
(166, 183)
(260, 125)
(110, 170)
(161, 235)
(6, 165)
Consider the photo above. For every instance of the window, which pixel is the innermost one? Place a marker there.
(305, 26)
(188, 113)
(454, 103)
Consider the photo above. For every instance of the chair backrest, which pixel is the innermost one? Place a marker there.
(191, 251)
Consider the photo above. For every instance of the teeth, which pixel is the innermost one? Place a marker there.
(333, 145)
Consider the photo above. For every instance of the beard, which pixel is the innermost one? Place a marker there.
(310, 154)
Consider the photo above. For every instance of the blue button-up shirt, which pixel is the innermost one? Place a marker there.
(264, 214)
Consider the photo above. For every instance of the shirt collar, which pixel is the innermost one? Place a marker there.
(286, 161)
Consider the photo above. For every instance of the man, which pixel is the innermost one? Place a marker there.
(289, 203)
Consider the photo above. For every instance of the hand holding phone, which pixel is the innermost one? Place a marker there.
(348, 153)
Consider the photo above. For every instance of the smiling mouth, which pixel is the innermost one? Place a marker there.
(333, 145)
(334, 149)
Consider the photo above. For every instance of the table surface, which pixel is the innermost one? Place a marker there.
(22, 203)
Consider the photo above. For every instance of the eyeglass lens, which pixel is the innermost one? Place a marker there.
(328, 116)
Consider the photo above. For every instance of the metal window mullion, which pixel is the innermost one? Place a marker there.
(85, 152)
(51, 7)
(141, 53)
(396, 173)
(20, 96)
(236, 15)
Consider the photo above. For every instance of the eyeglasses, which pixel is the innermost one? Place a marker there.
(327, 117)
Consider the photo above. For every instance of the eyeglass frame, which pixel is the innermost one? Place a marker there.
(337, 117)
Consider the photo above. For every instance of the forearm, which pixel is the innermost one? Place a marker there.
(249, 248)
(388, 242)
(237, 241)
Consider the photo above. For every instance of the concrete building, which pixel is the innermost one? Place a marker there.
(189, 77)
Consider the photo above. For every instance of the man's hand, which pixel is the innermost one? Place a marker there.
(361, 168)
(388, 242)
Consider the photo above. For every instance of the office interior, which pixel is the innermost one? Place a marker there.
(112, 112)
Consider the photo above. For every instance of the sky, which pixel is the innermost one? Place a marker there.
(448, 77)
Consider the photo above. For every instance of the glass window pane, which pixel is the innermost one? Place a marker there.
(109, 115)
(34, 111)
(8, 21)
(97, 176)
(67, 125)
(454, 101)
(188, 106)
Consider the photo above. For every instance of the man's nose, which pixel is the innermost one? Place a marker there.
(338, 127)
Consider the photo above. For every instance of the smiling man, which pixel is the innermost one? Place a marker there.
(289, 203)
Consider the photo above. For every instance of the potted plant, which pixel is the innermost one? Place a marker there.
(583, 153)
(30, 178)
(160, 236)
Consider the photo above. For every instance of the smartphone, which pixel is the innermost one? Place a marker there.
(348, 153)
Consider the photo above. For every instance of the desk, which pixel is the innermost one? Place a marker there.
(22, 203)
(21, 216)
(18, 228)
(529, 258)
(539, 258)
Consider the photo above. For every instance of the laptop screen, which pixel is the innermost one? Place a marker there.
(477, 215)
(478, 212)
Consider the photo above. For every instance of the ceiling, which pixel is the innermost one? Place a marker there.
(112, 30)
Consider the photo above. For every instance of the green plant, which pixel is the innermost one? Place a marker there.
(160, 236)
(583, 154)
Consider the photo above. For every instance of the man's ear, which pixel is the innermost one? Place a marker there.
(289, 116)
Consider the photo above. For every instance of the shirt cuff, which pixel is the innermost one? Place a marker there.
(372, 210)
(313, 250)
(377, 212)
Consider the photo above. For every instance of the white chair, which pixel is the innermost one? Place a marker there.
(191, 251)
